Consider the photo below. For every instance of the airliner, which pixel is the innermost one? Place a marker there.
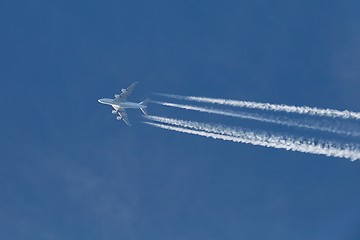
(119, 104)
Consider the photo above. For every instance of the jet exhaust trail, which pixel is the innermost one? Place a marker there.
(270, 107)
(257, 138)
(257, 117)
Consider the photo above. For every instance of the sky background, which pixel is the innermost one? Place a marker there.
(69, 170)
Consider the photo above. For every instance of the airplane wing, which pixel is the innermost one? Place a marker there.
(115, 107)
(126, 92)
(124, 116)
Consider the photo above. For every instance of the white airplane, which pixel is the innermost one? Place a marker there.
(119, 104)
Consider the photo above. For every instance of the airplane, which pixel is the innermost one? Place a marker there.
(119, 104)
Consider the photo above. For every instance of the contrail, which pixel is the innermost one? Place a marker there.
(268, 119)
(260, 139)
(271, 107)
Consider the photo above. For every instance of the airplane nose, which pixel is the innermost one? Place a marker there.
(99, 100)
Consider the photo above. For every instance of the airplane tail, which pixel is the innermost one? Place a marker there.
(144, 104)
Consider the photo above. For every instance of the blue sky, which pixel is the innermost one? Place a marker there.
(69, 170)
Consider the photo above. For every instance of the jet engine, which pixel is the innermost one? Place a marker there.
(123, 90)
(114, 112)
(118, 118)
(117, 95)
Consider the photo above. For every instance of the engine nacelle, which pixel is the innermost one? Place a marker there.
(118, 118)
(123, 90)
(114, 112)
(117, 95)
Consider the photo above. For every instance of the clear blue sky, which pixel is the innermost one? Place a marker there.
(70, 171)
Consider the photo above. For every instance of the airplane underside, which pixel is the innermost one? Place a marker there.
(119, 104)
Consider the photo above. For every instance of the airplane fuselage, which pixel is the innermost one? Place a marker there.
(109, 101)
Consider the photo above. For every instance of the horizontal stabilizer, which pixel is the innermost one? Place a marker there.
(144, 111)
(144, 104)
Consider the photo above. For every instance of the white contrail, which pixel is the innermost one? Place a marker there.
(261, 139)
(268, 119)
(271, 107)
